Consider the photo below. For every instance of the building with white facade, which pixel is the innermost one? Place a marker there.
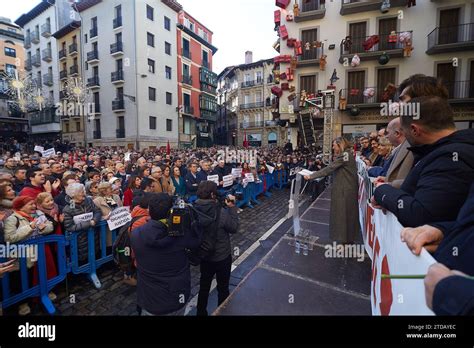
(42, 61)
(123, 45)
(441, 44)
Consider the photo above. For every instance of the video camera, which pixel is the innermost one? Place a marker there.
(180, 218)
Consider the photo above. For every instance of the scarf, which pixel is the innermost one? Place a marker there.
(6, 203)
(25, 215)
(53, 212)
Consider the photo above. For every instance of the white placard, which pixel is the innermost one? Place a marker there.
(48, 153)
(305, 172)
(236, 172)
(270, 169)
(119, 217)
(127, 157)
(250, 177)
(214, 178)
(83, 218)
(228, 180)
(39, 149)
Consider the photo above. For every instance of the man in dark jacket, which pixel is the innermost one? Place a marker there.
(449, 292)
(205, 171)
(191, 179)
(217, 224)
(438, 184)
(164, 277)
(19, 180)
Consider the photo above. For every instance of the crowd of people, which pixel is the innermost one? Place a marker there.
(40, 196)
(423, 170)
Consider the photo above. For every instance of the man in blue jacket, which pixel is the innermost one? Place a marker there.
(191, 179)
(164, 277)
(438, 184)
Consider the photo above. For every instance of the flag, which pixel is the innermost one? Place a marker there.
(246, 143)
(168, 148)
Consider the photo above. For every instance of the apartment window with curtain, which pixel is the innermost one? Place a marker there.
(308, 83)
(168, 72)
(150, 38)
(151, 66)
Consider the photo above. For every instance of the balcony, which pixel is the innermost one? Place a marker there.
(62, 95)
(46, 116)
(96, 109)
(93, 32)
(46, 30)
(355, 96)
(118, 105)
(255, 105)
(311, 10)
(208, 89)
(310, 57)
(47, 55)
(358, 6)
(116, 48)
(27, 41)
(97, 135)
(73, 48)
(460, 91)
(394, 50)
(120, 133)
(271, 123)
(63, 74)
(117, 76)
(117, 22)
(62, 54)
(208, 116)
(188, 110)
(187, 80)
(35, 38)
(93, 57)
(93, 82)
(252, 83)
(451, 39)
(74, 70)
(48, 79)
(28, 66)
(36, 60)
(186, 53)
(256, 124)
(206, 64)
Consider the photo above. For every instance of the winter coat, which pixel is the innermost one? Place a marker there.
(226, 223)
(164, 277)
(167, 185)
(180, 186)
(400, 166)
(87, 206)
(33, 191)
(191, 183)
(105, 209)
(143, 214)
(5, 211)
(454, 296)
(437, 186)
(458, 234)
(344, 215)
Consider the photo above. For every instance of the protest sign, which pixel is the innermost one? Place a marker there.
(48, 153)
(83, 218)
(39, 149)
(236, 172)
(228, 180)
(250, 177)
(213, 178)
(119, 217)
(270, 169)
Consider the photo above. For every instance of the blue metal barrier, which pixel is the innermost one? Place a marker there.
(281, 179)
(44, 285)
(246, 196)
(269, 182)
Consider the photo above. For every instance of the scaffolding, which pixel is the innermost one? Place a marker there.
(328, 131)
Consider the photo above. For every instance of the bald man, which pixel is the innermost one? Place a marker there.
(402, 159)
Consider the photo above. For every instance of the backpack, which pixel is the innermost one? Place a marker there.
(207, 238)
(121, 249)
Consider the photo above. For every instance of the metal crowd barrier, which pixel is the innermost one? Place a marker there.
(63, 265)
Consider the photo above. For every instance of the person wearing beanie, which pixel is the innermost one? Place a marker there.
(162, 259)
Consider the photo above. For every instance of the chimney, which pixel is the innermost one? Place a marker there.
(248, 57)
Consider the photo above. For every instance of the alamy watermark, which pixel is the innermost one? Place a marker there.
(75, 109)
(19, 251)
(396, 109)
(237, 156)
(346, 251)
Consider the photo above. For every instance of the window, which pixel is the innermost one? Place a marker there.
(308, 83)
(149, 12)
(169, 125)
(152, 122)
(187, 126)
(13, 30)
(151, 66)
(118, 11)
(168, 72)
(150, 38)
(66, 125)
(167, 23)
(169, 98)
(10, 69)
(78, 126)
(10, 52)
(168, 48)
(152, 93)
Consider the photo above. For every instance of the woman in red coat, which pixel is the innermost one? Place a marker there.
(132, 188)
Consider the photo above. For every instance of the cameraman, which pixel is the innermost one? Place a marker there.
(164, 277)
(218, 223)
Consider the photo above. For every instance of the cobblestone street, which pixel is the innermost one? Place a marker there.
(116, 298)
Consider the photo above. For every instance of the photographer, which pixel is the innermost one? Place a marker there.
(218, 223)
(164, 277)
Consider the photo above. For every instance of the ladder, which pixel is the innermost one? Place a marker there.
(328, 108)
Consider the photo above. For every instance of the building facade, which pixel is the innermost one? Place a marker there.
(42, 62)
(247, 106)
(124, 49)
(196, 83)
(72, 114)
(435, 38)
(12, 62)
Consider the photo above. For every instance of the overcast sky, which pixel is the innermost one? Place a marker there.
(238, 26)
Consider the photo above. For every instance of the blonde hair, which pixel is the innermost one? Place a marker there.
(103, 187)
(343, 143)
(42, 197)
